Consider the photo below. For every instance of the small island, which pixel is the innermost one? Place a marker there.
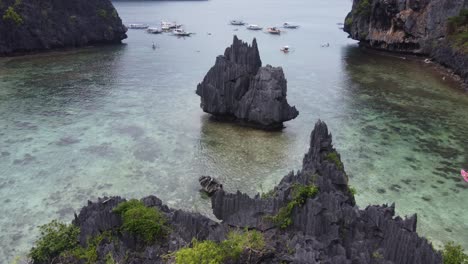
(31, 26)
(238, 88)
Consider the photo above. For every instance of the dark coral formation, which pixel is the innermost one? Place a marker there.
(238, 88)
(419, 27)
(28, 25)
(327, 227)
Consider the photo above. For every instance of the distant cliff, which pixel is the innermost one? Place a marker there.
(437, 28)
(31, 25)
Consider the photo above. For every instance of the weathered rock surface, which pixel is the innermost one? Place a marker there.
(328, 228)
(238, 88)
(210, 185)
(49, 24)
(418, 27)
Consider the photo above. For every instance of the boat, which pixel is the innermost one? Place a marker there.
(138, 26)
(254, 27)
(290, 25)
(181, 33)
(167, 26)
(154, 30)
(464, 174)
(273, 30)
(285, 49)
(237, 22)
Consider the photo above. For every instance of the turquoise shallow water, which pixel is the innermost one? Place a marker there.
(125, 120)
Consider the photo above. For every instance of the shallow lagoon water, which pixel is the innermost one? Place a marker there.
(125, 120)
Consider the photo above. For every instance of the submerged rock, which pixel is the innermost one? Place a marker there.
(29, 25)
(419, 27)
(238, 88)
(324, 224)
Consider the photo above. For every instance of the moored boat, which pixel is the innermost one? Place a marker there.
(285, 49)
(290, 25)
(154, 30)
(165, 25)
(181, 33)
(237, 22)
(138, 26)
(273, 30)
(254, 27)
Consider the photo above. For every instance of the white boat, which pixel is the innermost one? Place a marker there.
(285, 49)
(237, 22)
(290, 25)
(181, 33)
(273, 30)
(154, 30)
(169, 25)
(138, 26)
(254, 27)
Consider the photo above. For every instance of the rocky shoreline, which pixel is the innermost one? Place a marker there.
(30, 26)
(414, 27)
(310, 217)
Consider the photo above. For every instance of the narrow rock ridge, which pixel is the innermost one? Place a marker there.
(33, 26)
(327, 228)
(418, 27)
(238, 88)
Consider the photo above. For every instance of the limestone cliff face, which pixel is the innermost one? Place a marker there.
(237, 87)
(31, 25)
(412, 26)
(327, 228)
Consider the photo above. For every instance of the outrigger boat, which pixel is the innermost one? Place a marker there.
(254, 27)
(138, 26)
(169, 25)
(181, 33)
(237, 22)
(153, 30)
(289, 25)
(273, 30)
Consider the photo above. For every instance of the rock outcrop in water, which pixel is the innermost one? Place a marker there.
(28, 25)
(238, 88)
(323, 227)
(419, 27)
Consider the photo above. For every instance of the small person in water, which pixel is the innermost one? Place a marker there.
(154, 46)
(464, 174)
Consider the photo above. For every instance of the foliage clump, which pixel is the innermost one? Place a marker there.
(364, 8)
(333, 157)
(209, 252)
(352, 190)
(300, 195)
(55, 238)
(11, 15)
(457, 29)
(348, 21)
(453, 254)
(102, 13)
(145, 222)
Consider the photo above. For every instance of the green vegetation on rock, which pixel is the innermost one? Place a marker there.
(364, 8)
(300, 195)
(453, 254)
(457, 28)
(55, 238)
(144, 222)
(11, 15)
(349, 21)
(333, 157)
(102, 13)
(209, 252)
